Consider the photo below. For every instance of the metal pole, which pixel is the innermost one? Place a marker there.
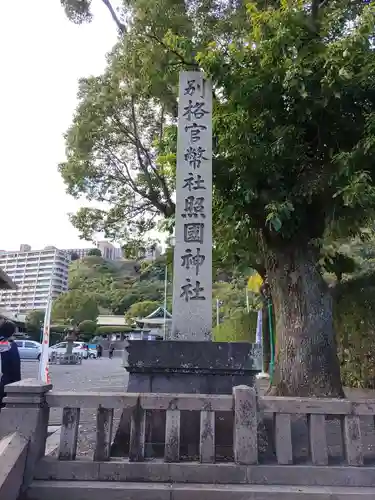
(165, 300)
(217, 312)
(247, 300)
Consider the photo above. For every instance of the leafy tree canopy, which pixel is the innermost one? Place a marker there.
(87, 327)
(34, 322)
(294, 123)
(94, 252)
(141, 309)
(74, 306)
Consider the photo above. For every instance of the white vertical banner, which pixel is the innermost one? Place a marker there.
(192, 277)
(43, 364)
(258, 335)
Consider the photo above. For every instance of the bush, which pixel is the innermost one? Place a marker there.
(87, 327)
(354, 317)
(59, 328)
(141, 309)
(241, 327)
(102, 330)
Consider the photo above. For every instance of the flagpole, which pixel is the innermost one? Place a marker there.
(43, 363)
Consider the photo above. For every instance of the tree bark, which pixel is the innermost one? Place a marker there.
(306, 361)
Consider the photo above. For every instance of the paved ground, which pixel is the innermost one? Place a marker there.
(93, 375)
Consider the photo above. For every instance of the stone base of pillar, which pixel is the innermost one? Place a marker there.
(186, 367)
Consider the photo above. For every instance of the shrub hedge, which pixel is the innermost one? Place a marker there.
(354, 317)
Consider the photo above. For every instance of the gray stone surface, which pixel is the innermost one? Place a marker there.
(81, 490)
(245, 439)
(93, 375)
(13, 450)
(27, 414)
(192, 284)
(219, 358)
(187, 367)
(194, 472)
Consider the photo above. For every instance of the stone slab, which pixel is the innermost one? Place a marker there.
(77, 490)
(13, 450)
(157, 471)
(192, 270)
(229, 358)
(95, 490)
(255, 492)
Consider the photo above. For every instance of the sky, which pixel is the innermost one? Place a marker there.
(42, 57)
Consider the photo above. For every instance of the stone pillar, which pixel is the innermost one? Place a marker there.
(189, 362)
(27, 413)
(192, 278)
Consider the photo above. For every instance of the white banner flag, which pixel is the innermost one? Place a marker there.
(44, 358)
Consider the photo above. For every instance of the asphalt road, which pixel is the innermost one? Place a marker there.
(92, 375)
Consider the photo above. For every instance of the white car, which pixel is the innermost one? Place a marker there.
(78, 347)
(28, 349)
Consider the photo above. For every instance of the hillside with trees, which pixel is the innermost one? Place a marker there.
(133, 289)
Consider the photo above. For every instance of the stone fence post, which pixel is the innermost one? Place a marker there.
(27, 413)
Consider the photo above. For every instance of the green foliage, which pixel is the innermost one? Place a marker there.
(59, 328)
(79, 11)
(102, 330)
(154, 270)
(232, 300)
(34, 321)
(355, 326)
(87, 326)
(111, 151)
(94, 252)
(295, 123)
(241, 327)
(74, 306)
(141, 309)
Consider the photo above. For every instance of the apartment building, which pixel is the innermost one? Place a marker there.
(81, 252)
(109, 251)
(38, 274)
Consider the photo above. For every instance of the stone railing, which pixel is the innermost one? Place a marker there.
(28, 404)
(245, 407)
(243, 404)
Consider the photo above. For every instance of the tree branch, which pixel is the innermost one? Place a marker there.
(177, 54)
(121, 27)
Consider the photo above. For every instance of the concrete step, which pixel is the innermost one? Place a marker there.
(96, 490)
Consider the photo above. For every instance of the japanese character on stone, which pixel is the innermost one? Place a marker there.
(189, 260)
(195, 131)
(194, 207)
(191, 88)
(194, 232)
(191, 292)
(194, 182)
(195, 156)
(195, 110)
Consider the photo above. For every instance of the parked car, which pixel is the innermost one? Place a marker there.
(29, 349)
(93, 353)
(78, 347)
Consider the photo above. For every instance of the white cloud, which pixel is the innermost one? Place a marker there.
(42, 57)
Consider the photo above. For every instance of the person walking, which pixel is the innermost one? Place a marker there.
(99, 351)
(10, 357)
(111, 351)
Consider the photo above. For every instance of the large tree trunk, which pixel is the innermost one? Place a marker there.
(306, 362)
